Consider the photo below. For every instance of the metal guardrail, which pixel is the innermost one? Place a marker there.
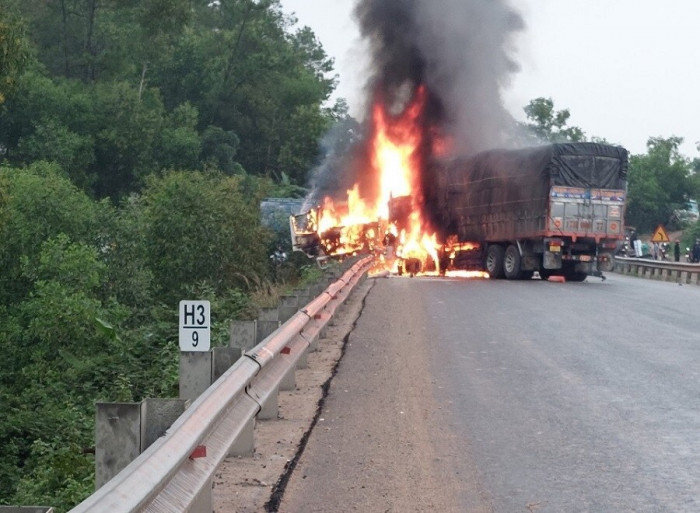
(659, 269)
(168, 477)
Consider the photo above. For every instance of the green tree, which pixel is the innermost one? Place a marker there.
(695, 176)
(253, 80)
(157, 25)
(36, 204)
(57, 364)
(126, 89)
(14, 50)
(547, 124)
(659, 182)
(200, 229)
(54, 142)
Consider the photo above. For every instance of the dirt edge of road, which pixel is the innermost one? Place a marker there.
(257, 483)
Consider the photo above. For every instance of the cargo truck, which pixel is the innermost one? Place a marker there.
(556, 209)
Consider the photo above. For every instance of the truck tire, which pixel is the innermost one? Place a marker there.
(570, 273)
(575, 276)
(512, 263)
(494, 261)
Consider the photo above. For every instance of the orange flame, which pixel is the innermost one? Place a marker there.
(395, 149)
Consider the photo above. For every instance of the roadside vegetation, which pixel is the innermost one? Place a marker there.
(137, 139)
(136, 142)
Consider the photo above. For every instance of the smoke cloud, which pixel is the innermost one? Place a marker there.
(459, 49)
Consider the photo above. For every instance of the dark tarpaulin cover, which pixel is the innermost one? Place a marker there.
(464, 195)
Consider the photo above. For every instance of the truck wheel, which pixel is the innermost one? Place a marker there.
(494, 261)
(511, 263)
(575, 276)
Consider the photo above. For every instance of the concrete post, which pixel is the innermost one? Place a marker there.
(245, 443)
(243, 334)
(268, 314)
(270, 408)
(286, 312)
(117, 439)
(195, 374)
(290, 300)
(313, 343)
(222, 359)
(125, 430)
(203, 502)
(304, 297)
(289, 381)
(303, 361)
(289, 305)
(157, 415)
(265, 329)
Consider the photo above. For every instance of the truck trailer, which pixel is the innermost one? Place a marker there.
(556, 209)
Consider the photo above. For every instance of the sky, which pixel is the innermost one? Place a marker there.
(626, 70)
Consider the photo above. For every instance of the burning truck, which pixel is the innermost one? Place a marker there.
(556, 209)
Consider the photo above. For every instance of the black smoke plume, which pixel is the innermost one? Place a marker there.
(459, 51)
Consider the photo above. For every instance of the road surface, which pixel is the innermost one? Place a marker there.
(508, 396)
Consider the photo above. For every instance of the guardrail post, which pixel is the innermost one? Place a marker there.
(304, 296)
(243, 334)
(265, 329)
(195, 373)
(289, 381)
(157, 415)
(125, 430)
(198, 370)
(270, 407)
(222, 359)
(268, 314)
(313, 343)
(289, 305)
(303, 360)
(117, 438)
(204, 501)
(245, 443)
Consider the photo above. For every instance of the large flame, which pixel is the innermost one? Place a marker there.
(407, 241)
(395, 149)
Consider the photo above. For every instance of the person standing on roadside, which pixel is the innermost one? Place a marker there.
(677, 251)
(633, 243)
(695, 253)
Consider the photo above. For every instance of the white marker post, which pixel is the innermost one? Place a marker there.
(195, 325)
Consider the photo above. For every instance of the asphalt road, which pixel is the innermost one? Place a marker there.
(503, 396)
